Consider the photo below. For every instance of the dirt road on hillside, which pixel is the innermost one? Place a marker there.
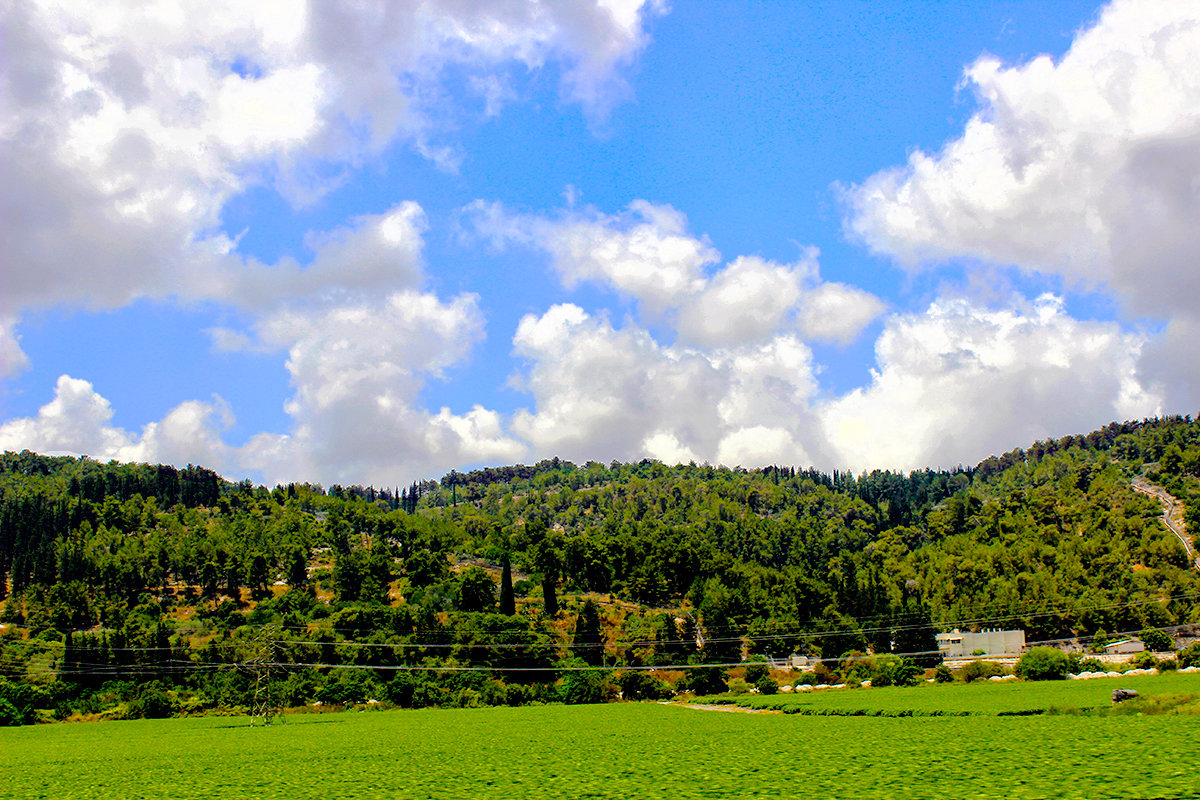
(1172, 514)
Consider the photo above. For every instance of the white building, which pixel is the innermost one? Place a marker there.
(957, 644)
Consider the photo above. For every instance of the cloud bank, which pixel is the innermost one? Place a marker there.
(126, 129)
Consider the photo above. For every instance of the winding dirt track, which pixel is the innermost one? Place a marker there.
(1172, 514)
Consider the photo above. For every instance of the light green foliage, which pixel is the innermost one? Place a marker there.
(980, 698)
(1043, 664)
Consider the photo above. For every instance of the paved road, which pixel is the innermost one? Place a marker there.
(1172, 514)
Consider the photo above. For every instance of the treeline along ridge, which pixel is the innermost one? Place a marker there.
(133, 589)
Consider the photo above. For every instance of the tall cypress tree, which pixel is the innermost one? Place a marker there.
(508, 603)
(588, 643)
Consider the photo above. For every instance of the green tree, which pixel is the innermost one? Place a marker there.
(588, 642)
(424, 568)
(233, 580)
(476, 590)
(508, 603)
(259, 577)
(1158, 640)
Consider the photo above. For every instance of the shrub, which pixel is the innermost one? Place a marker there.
(978, 670)
(152, 704)
(1143, 660)
(766, 685)
(17, 703)
(943, 674)
(738, 686)
(584, 686)
(895, 671)
(704, 680)
(1043, 664)
(9, 714)
(1167, 665)
(1091, 665)
(1189, 656)
(755, 671)
(639, 685)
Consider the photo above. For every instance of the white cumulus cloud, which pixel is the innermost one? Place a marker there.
(602, 392)
(79, 421)
(126, 127)
(1086, 167)
(957, 383)
(647, 253)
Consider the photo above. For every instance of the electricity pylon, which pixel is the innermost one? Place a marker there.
(265, 706)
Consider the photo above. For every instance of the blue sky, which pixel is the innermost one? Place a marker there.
(373, 244)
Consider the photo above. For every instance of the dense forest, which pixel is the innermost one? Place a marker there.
(141, 590)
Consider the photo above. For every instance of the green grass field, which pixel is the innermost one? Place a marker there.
(981, 697)
(629, 751)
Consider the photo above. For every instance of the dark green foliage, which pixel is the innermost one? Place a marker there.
(641, 685)
(18, 703)
(508, 604)
(1157, 640)
(476, 590)
(152, 702)
(588, 642)
(10, 715)
(943, 674)
(1043, 664)
(425, 568)
(584, 685)
(893, 671)
(766, 685)
(1143, 660)
(704, 680)
(755, 670)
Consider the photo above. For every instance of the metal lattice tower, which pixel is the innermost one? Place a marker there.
(265, 706)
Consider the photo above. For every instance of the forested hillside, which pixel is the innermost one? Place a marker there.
(139, 590)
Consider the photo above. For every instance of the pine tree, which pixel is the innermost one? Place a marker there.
(588, 643)
(549, 598)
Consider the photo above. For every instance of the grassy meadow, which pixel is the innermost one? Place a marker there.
(644, 750)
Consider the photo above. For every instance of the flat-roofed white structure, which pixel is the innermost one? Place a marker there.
(958, 644)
